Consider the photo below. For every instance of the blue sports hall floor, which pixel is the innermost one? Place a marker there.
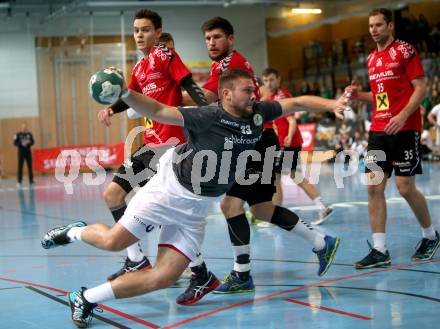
(288, 293)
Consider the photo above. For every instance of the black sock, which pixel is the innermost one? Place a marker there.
(239, 230)
(240, 235)
(200, 271)
(118, 211)
(284, 218)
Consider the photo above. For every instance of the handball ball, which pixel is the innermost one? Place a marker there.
(105, 86)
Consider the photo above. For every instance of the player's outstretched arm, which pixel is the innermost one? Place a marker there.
(312, 104)
(148, 107)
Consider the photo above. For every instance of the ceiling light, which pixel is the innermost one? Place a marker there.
(315, 11)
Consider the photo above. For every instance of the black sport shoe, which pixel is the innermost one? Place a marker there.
(82, 310)
(130, 266)
(426, 249)
(374, 259)
(58, 235)
(198, 288)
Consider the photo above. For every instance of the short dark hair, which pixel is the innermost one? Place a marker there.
(387, 14)
(151, 15)
(218, 23)
(270, 70)
(228, 77)
(165, 37)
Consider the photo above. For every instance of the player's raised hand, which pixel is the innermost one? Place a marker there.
(104, 116)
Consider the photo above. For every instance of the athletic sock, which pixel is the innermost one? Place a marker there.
(74, 234)
(379, 242)
(100, 293)
(318, 202)
(290, 221)
(429, 233)
(240, 235)
(134, 252)
(198, 267)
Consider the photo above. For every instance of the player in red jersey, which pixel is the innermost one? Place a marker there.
(290, 140)
(219, 38)
(160, 74)
(398, 86)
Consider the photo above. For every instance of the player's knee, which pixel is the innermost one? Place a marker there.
(230, 209)
(405, 189)
(375, 191)
(113, 196)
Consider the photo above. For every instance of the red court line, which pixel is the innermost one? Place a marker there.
(328, 309)
(107, 308)
(204, 315)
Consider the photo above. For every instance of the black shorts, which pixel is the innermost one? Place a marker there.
(137, 170)
(288, 160)
(400, 152)
(259, 191)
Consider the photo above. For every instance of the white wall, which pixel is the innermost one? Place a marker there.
(183, 22)
(18, 82)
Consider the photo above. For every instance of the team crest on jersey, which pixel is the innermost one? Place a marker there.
(258, 119)
(379, 62)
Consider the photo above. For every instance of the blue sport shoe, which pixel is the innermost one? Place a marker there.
(58, 235)
(232, 284)
(82, 310)
(326, 255)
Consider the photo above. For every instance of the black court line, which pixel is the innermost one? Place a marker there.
(61, 301)
(207, 258)
(10, 288)
(432, 299)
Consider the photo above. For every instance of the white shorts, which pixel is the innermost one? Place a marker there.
(164, 201)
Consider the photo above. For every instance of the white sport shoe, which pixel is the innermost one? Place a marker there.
(323, 216)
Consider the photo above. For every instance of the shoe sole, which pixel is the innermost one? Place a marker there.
(381, 264)
(233, 292)
(427, 258)
(50, 244)
(332, 256)
(149, 267)
(195, 300)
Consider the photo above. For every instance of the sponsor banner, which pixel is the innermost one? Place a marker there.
(90, 156)
(308, 131)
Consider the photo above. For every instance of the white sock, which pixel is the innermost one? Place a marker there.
(100, 293)
(134, 252)
(379, 242)
(304, 230)
(318, 202)
(74, 234)
(241, 250)
(429, 233)
(197, 262)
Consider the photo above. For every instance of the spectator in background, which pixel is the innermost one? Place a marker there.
(24, 140)
(434, 119)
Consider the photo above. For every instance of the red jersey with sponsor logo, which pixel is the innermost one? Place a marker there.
(158, 76)
(390, 72)
(232, 61)
(282, 124)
